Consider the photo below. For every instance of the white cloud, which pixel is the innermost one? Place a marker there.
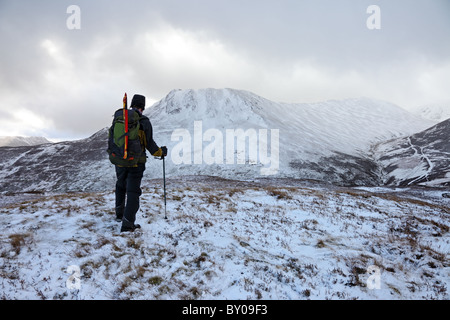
(23, 122)
(182, 58)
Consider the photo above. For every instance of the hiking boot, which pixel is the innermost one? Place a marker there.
(129, 229)
(119, 213)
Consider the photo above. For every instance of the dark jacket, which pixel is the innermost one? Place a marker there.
(146, 137)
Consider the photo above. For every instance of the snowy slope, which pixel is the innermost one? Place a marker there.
(338, 125)
(422, 158)
(324, 141)
(64, 166)
(285, 240)
(16, 141)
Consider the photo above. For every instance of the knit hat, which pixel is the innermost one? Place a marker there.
(138, 102)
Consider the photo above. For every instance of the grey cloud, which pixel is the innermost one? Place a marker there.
(270, 38)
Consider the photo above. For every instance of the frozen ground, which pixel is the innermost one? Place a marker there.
(278, 239)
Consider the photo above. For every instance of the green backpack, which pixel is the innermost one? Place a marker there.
(125, 149)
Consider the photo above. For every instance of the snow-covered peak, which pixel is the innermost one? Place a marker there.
(16, 141)
(217, 108)
(337, 125)
(313, 138)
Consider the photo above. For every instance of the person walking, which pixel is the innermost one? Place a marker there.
(128, 184)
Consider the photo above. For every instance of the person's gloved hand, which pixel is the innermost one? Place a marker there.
(161, 153)
(164, 151)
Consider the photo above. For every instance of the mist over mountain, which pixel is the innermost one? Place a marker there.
(236, 134)
(436, 112)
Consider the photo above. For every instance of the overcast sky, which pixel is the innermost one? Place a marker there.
(65, 83)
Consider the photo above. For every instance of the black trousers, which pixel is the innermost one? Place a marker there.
(128, 191)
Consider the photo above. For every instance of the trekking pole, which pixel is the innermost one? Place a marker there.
(163, 158)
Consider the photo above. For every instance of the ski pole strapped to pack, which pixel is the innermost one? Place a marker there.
(125, 116)
(124, 146)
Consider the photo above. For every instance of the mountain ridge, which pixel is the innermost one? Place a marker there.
(313, 137)
(328, 141)
(19, 141)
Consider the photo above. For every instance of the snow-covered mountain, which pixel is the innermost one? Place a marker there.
(422, 158)
(17, 141)
(231, 134)
(324, 141)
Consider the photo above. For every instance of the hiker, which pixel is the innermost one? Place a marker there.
(128, 185)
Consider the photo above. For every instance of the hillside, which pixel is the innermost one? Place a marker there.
(231, 134)
(283, 240)
(422, 158)
(65, 166)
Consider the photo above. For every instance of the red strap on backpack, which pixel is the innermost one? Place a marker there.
(125, 117)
